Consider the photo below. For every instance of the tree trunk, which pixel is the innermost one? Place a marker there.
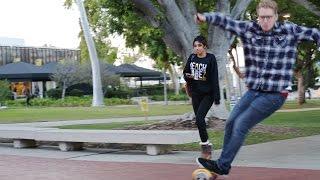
(220, 46)
(97, 99)
(63, 95)
(174, 78)
(179, 31)
(301, 88)
(176, 81)
(165, 91)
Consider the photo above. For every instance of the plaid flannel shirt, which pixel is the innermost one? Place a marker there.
(269, 56)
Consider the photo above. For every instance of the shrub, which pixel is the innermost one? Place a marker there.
(70, 101)
(153, 89)
(85, 87)
(180, 97)
(76, 92)
(5, 92)
(117, 101)
(124, 94)
(157, 98)
(171, 97)
(54, 93)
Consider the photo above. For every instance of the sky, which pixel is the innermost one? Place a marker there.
(40, 22)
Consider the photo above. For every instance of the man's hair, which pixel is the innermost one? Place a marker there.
(201, 39)
(268, 4)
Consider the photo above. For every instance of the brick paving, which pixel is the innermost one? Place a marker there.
(31, 168)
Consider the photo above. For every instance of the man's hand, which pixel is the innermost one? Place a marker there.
(199, 18)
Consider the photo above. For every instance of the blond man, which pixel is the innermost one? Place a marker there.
(270, 50)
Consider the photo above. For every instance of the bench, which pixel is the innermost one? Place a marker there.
(156, 141)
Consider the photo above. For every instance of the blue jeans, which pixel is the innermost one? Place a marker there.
(252, 108)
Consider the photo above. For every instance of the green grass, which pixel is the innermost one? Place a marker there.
(306, 123)
(295, 119)
(107, 126)
(313, 103)
(33, 114)
(293, 104)
(14, 115)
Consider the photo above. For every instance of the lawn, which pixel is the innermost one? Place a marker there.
(310, 103)
(305, 124)
(33, 114)
(107, 126)
(15, 115)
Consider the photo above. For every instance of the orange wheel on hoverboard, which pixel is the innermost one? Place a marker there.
(203, 174)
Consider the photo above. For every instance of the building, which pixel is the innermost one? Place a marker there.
(35, 56)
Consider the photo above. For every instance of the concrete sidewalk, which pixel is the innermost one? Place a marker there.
(297, 159)
(92, 121)
(279, 160)
(26, 168)
(298, 153)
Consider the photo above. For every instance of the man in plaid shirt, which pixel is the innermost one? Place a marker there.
(270, 50)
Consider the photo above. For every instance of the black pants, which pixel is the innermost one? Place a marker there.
(201, 105)
(28, 100)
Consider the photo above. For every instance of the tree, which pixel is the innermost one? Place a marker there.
(104, 50)
(130, 59)
(175, 20)
(137, 33)
(97, 99)
(107, 78)
(305, 70)
(5, 92)
(311, 5)
(152, 44)
(67, 74)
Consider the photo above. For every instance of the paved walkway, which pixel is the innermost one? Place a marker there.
(293, 159)
(92, 121)
(279, 160)
(26, 168)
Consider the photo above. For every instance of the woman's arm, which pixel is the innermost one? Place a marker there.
(215, 81)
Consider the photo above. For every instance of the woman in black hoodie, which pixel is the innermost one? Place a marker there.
(201, 75)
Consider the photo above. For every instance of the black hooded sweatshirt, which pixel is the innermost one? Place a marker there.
(205, 72)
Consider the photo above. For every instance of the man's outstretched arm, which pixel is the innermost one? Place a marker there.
(305, 33)
(237, 27)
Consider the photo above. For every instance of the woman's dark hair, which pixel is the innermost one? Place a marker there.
(201, 39)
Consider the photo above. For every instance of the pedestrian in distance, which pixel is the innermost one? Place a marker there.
(26, 92)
